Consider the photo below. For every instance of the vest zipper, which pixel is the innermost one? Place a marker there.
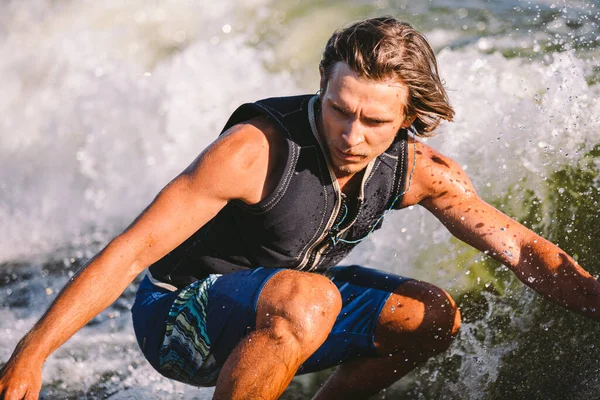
(316, 256)
(361, 197)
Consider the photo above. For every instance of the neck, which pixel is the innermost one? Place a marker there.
(350, 184)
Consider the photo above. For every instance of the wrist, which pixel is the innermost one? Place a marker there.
(29, 352)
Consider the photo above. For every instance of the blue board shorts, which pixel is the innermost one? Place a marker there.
(188, 334)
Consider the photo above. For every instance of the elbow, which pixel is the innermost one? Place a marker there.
(136, 267)
(128, 255)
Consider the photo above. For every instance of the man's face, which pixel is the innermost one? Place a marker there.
(360, 118)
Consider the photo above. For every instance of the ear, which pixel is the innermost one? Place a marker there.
(408, 120)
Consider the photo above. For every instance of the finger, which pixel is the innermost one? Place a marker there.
(12, 394)
(31, 395)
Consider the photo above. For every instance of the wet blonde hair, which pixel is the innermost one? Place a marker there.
(384, 48)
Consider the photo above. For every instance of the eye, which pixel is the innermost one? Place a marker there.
(375, 122)
(339, 110)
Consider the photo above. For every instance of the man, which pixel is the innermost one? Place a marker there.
(243, 292)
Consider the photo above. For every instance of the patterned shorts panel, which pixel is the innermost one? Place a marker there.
(185, 352)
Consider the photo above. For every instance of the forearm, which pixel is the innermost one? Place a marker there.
(89, 292)
(553, 273)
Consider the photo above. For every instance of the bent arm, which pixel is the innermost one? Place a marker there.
(234, 167)
(537, 262)
(173, 216)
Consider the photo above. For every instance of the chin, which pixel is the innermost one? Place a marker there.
(348, 169)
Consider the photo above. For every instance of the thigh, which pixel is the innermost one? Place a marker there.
(203, 323)
(188, 334)
(364, 293)
(232, 304)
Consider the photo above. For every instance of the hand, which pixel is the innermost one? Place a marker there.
(20, 380)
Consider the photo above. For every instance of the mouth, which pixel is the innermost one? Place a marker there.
(349, 156)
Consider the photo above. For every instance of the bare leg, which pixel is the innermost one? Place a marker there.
(295, 313)
(260, 367)
(418, 321)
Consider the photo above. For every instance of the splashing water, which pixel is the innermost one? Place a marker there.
(104, 102)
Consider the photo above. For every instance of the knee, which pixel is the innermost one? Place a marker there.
(441, 317)
(419, 312)
(299, 306)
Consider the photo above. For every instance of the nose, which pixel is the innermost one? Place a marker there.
(354, 133)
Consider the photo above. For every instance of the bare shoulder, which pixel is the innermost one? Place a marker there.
(244, 162)
(437, 178)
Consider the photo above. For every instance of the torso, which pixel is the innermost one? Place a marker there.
(258, 228)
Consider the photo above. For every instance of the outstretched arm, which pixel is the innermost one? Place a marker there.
(234, 167)
(447, 193)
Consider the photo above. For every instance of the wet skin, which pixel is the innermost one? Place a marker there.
(296, 310)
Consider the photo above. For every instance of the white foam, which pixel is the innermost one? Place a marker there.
(89, 136)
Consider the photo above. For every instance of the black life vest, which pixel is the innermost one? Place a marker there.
(295, 226)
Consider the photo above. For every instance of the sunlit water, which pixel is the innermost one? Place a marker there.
(102, 103)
